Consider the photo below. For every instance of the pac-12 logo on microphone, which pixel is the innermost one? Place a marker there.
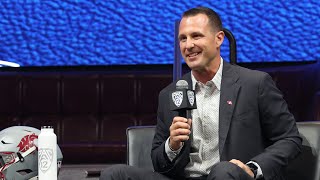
(45, 159)
(177, 98)
(191, 97)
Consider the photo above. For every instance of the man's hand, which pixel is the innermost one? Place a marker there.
(242, 166)
(179, 132)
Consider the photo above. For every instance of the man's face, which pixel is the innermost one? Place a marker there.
(199, 43)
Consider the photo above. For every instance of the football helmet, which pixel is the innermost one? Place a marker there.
(19, 153)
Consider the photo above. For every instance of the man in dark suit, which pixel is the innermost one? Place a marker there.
(242, 108)
(241, 129)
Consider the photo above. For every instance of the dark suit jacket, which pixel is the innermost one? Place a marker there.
(256, 126)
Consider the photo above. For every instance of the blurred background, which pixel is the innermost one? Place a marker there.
(122, 32)
(91, 69)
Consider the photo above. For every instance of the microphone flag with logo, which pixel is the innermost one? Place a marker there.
(182, 99)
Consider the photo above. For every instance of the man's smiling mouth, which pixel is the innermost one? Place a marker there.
(193, 54)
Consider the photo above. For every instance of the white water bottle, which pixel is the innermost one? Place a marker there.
(47, 154)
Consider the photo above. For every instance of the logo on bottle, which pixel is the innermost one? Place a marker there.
(45, 159)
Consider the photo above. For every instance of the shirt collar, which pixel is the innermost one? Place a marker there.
(216, 78)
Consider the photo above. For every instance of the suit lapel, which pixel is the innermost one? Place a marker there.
(229, 92)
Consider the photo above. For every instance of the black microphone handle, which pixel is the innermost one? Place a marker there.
(187, 114)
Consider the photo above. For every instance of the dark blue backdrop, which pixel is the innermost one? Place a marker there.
(106, 32)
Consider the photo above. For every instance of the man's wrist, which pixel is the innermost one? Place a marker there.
(259, 170)
(170, 152)
(178, 149)
(173, 147)
(254, 169)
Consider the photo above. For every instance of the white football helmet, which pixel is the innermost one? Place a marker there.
(19, 153)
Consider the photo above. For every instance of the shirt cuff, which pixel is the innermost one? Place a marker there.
(171, 153)
(259, 171)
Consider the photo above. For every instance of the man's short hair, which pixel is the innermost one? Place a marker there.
(214, 18)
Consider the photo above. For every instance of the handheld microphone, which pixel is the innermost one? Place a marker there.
(183, 99)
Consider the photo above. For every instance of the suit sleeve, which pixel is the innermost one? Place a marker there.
(279, 128)
(161, 162)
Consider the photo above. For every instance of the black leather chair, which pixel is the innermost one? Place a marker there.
(139, 142)
(305, 167)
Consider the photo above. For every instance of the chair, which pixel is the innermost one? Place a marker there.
(305, 167)
(139, 142)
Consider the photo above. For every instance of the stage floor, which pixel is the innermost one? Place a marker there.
(79, 172)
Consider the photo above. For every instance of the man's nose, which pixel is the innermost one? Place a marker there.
(190, 44)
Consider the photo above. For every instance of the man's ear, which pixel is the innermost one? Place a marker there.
(219, 38)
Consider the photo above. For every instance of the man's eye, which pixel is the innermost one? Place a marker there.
(182, 39)
(197, 37)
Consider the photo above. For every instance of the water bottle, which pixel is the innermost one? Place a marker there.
(47, 154)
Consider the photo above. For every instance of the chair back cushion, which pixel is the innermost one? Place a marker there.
(139, 143)
(306, 165)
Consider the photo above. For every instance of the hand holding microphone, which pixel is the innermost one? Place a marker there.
(180, 130)
(182, 100)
